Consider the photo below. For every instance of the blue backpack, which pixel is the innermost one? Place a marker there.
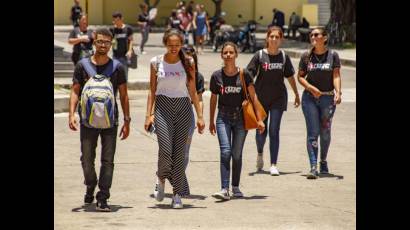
(97, 104)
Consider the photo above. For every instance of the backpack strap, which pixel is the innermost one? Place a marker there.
(330, 58)
(259, 64)
(88, 67)
(283, 60)
(110, 69)
(219, 78)
(92, 71)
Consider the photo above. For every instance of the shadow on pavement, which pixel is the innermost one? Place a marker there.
(286, 173)
(268, 173)
(257, 197)
(259, 172)
(193, 197)
(330, 175)
(168, 206)
(91, 208)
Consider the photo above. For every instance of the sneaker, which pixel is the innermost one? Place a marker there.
(259, 162)
(274, 171)
(176, 202)
(102, 206)
(323, 167)
(88, 199)
(159, 190)
(89, 195)
(223, 194)
(236, 192)
(313, 173)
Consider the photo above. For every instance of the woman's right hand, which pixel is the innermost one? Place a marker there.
(148, 121)
(212, 128)
(261, 127)
(315, 91)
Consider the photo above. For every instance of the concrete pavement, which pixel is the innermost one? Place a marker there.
(289, 201)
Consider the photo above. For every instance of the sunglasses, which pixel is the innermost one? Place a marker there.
(314, 35)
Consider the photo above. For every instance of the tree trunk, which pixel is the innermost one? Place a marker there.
(151, 6)
(218, 7)
(344, 12)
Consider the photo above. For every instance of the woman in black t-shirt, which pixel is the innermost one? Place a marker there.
(226, 87)
(271, 66)
(319, 73)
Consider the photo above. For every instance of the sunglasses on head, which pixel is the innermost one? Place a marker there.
(188, 50)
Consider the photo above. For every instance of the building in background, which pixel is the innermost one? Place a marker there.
(317, 12)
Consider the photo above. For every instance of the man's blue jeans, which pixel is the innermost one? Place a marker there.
(275, 117)
(318, 115)
(231, 137)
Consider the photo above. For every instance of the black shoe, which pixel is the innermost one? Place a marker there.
(102, 206)
(313, 173)
(88, 199)
(323, 167)
(89, 195)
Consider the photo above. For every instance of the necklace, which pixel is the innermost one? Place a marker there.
(322, 59)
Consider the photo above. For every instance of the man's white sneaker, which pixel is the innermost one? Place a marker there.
(236, 192)
(177, 202)
(274, 171)
(259, 162)
(159, 190)
(222, 195)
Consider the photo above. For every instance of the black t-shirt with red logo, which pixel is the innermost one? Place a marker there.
(269, 85)
(230, 89)
(319, 69)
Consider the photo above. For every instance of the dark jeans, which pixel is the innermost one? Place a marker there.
(318, 114)
(231, 137)
(89, 138)
(275, 117)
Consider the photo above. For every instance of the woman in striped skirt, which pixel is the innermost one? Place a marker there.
(172, 84)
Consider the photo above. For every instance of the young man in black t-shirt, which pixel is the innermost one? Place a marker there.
(122, 41)
(82, 38)
(89, 136)
(76, 11)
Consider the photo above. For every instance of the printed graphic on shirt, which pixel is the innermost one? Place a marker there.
(270, 66)
(318, 66)
(171, 74)
(123, 35)
(230, 90)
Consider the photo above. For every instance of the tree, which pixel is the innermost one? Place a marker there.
(218, 7)
(343, 13)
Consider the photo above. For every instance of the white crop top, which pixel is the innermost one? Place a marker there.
(171, 78)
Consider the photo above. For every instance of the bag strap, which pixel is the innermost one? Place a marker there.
(330, 58)
(245, 91)
(110, 69)
(259, 65)
(88, 67)
(284, 60)
(92, 71)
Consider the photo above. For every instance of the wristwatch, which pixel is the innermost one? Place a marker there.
(127, 119)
